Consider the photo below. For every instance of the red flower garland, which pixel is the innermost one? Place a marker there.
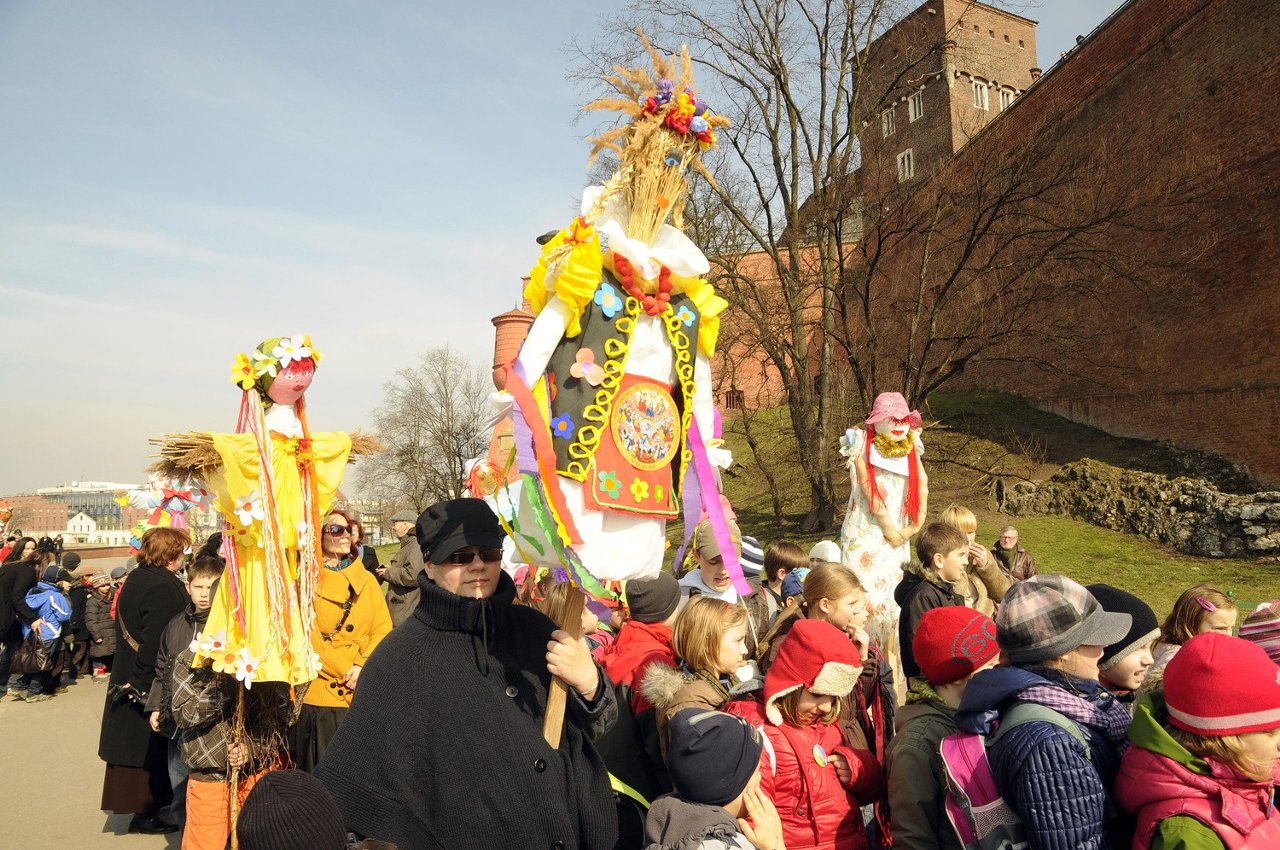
(654, 305)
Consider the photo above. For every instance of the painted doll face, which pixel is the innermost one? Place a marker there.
(894, 429)
(292, 382)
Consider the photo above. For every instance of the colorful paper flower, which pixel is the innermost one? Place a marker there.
(639, 490)
(665, 89)
(224, 660)
(610, 484)
(291, 348)
(316, 356)
(685, 315)
(246, 667)
(242, 373)
(608, 299)
(586, 368)
(249, 509)
(246, 535)
(563, 426)
(699, 125)
(264, 364)
(209, 644)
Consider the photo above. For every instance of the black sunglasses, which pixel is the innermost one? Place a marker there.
(489, 556)
(337, 530)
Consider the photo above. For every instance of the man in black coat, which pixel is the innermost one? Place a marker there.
(16, 579)
(443, 745)
(137, 777)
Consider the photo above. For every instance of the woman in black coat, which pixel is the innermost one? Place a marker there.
(137, 776)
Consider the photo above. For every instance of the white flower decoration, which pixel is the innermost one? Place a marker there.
(246, 667)
(209, 644)
(263, 364)
(249, 508)
(291, 348)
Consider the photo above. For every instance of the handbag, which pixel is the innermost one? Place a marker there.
(33, 655)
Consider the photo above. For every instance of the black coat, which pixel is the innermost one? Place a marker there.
(76, 626)
(16, 579)
(916, 595)
(149, 599)
(443, 746)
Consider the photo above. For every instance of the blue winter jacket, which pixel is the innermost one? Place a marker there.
(53, 607)
(1060, 792)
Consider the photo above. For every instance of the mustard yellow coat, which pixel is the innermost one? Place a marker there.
(368, 623)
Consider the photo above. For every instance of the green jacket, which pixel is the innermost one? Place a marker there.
(917, 787)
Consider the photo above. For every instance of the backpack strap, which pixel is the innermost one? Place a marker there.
(1032, 712)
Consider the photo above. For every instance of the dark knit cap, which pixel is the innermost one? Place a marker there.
(290, 810)
(71, 561)
(653, 600)
(446, 527)
(51, 573)
(712, 756)
(1143, 630)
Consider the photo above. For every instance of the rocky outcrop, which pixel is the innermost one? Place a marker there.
(1189, 514)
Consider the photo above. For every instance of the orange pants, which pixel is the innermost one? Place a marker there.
(209, 812)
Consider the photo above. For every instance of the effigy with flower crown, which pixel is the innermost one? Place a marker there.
(271, 481)
(614, 416)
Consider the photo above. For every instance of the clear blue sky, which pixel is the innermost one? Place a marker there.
(180, 180)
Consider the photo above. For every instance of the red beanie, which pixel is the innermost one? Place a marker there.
(1221, 685)
(953, 641)
(814, 655)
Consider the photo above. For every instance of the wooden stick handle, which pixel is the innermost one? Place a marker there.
(553, 720)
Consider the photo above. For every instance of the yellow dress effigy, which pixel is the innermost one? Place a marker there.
(283, 653)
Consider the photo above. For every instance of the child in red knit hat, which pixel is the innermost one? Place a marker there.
(952, 644)
(816, 781)
(1205, 754)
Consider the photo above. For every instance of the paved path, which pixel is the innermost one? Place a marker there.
(54, 778)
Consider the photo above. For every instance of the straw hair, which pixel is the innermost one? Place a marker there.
(192, 454)
(1183, 622)
(701, 628)
(654, 190)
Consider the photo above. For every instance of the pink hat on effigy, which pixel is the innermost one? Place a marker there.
(893, 406)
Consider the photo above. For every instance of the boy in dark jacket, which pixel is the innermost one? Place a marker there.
(943, 554)
(202, 577)
(714, 759)
(76, 635)
(951, 645)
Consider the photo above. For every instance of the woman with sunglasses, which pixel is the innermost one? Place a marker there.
(444, 747)
(351, 619)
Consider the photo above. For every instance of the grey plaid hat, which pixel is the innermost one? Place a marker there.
(1047, 616)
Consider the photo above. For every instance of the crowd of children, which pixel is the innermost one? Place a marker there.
(1037, 712)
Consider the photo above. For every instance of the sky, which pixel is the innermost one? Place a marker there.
(181, 180)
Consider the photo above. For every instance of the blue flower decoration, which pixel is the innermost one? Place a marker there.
(685, 315)
(563, 426)
(608, 299)
(699, 125)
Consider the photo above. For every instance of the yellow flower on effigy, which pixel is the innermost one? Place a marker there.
(315, 355)
(242, 373)
(225, 661)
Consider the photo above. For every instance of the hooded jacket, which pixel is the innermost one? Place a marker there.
(443, 746)
(675, 824)
(1189, 803)
(917, 784)
(672, 690)
(53, 607)
(915, 595)
(101, 625)
(631, 749)
(1060, 791)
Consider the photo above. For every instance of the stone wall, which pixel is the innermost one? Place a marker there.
(1189, 514)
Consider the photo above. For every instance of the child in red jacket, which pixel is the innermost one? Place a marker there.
(815, 780)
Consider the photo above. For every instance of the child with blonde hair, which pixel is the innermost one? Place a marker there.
(986, 582)
(814, 778)
(1199, 609)
(1203, 765)
(709, 639)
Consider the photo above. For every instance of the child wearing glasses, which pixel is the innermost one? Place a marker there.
(351, 619)
(445, 737)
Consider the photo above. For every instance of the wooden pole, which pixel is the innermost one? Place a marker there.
(237, 737)
(553, 720)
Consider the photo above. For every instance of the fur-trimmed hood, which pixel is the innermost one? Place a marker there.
(814, 655)
(661, 684)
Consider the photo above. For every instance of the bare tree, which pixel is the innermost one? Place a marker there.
(432, 420)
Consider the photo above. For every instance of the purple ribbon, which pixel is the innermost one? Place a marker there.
(715, 511)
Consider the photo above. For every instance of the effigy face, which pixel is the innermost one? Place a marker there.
(893, 429)
(292, 381)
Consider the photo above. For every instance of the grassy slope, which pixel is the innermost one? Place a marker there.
(979, 430)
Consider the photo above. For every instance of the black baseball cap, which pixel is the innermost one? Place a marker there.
(446, 527)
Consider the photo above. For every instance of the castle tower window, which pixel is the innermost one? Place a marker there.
(981, 95)
(906, 165)
(1006, 99)
(886, 123)
(915, 106)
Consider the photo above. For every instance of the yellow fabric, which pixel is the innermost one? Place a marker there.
(578, 279)
(710, 306)
(368, 623)
(238, 477)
